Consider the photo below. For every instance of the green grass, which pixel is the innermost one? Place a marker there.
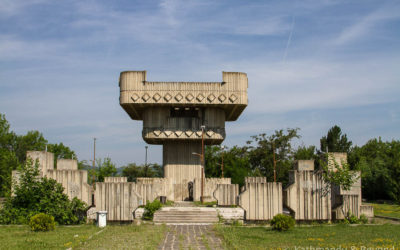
(387, 210)
(205, 204)
(21, 237)
(83, 237)
(313, 236)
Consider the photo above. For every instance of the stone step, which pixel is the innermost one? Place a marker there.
(185, 215)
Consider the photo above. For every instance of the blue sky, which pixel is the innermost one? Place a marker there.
(310, 64)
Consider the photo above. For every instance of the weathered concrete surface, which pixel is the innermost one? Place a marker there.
(367, 210)
(307, 195)
(45, 160)
(191, 237)
(304, 165)
(118, 199)
(226, 194)
(251, 179)
(67, 164)
(116, 179)
(261, 201)
(137, 93)
(173, 215)
(345, 201)
(74, 183)
(230, 214)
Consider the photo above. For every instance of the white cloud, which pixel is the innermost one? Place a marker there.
(365, 26)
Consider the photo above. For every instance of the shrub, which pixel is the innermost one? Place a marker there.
(363, 219)
(351, 218)
(42, 222)
(282, 222)
(151, 208)
(35, 195)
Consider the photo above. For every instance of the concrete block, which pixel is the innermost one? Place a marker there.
(118, 199)
(226, 194)
(367, 210)
(116, 179)
(231, 214)
(67, 164)
(45, 160)
(251, 179)
(307, 196)
(304, 165)
(74, 183)
(261, 201)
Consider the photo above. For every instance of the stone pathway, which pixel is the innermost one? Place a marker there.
(191, 237)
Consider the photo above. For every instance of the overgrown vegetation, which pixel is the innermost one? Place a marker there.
(150, 208)
(282, 222)
(33, 195)
(42, 222)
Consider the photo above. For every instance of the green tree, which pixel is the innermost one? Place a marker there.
(133, 171)
(33, 140)
(260, 151)
(334, 141)
(61, 151)
(8, 158)
(34, 195)
(379, 163)
(305, 153)
(105, 168)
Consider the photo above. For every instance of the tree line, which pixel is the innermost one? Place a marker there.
(378, 160)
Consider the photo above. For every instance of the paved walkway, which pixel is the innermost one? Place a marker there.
(191, 237)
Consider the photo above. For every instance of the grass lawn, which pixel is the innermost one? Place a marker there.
(82, 237)
(386, 210)
(313, 236)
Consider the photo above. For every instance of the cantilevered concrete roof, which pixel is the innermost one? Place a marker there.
(230, 94)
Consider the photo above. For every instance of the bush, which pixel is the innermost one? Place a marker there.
(352, 219)
(35, 195)
(151, 208)
(363, 219)
(282, 222)
(42, 222)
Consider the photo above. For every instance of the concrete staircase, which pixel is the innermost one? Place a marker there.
(186, 215)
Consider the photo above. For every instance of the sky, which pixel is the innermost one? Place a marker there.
(310, 64)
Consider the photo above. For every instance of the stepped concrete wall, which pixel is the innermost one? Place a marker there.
(210, 185)
(115, 179)
(74, 183)
(67, 164)
(226, 194)
(251, 179)
(45, 160)
(120, 200)
(261, 201)
(307, 196)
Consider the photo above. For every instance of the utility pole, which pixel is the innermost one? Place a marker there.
(202, 162)
(94, 159)
(273, 153)
(145, 162)
(222, 163)
(94, 170)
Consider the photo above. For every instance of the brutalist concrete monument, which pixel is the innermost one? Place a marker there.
(178, 115)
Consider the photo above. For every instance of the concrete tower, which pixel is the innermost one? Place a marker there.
(173, 114)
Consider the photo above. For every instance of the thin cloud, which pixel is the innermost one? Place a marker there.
(366, 25)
